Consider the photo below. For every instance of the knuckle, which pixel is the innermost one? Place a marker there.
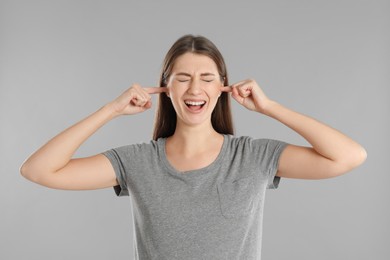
(136, 86)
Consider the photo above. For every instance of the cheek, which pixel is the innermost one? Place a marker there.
(214, 96)
(175, 91)
(214, 91)
(172, 89)
(175, 94)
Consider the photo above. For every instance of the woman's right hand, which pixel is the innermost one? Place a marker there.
(52, 164)
(134, 100)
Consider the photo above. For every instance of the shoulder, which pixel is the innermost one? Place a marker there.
(137, 148)
(248, 141)
(247, 144)
(239, 140)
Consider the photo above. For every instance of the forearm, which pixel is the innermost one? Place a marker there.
(325, 140)
(57, 152)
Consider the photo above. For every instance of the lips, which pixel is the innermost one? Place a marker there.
(195, 105)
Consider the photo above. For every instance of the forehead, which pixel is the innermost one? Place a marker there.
(194, 63)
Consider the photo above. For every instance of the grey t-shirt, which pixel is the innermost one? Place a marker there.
(215, 212)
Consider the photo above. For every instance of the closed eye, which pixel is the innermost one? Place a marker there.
(207, 78)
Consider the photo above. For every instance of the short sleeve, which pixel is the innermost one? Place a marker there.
(114, 155)
(268, 152)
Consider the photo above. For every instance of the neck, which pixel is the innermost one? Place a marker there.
(194, 139)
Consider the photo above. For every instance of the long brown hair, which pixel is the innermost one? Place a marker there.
(221, 117)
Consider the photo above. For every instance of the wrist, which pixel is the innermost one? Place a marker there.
(110, 110)
(269, 108)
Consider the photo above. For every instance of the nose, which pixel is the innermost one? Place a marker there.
(195, 87)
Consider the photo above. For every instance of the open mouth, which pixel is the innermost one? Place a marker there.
(195, 105)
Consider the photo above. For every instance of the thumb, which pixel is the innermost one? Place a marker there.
(237, 96)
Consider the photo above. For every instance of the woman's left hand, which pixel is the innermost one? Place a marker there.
(249, 94)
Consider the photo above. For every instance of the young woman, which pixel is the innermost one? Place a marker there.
(197, 191)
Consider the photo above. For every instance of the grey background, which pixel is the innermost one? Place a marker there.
(62, 60)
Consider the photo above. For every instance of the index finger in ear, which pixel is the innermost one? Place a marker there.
(226, 89)
(239, 83)
(155, 90)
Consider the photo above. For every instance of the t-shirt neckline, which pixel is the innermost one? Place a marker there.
(197, 172)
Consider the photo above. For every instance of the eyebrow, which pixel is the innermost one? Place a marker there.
(189, 75)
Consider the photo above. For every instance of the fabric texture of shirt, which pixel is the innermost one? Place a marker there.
(215, 212)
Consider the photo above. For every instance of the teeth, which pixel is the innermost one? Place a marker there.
(195, 103)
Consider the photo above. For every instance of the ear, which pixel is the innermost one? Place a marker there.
(222, 85)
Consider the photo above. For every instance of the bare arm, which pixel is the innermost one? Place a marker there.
(49, 164)
(332, 153)
(52, 164)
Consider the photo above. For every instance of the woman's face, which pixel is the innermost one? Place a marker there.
(194, 88)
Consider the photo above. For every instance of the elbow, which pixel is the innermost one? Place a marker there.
(352, 160)
(24, 171)
(27, 172)
(363, 156)
(37, 174)
(358, 157)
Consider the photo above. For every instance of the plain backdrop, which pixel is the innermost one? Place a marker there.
(62, 60)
